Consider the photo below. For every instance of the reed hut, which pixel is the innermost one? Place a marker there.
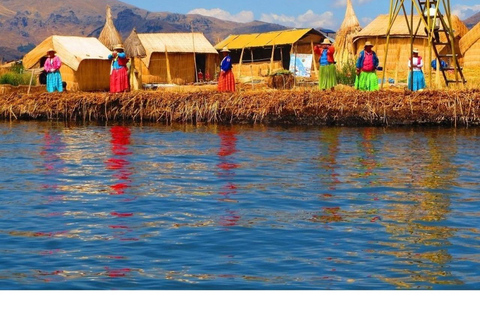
(136, 51)
(261, 54)
(109, 35)
(344, 50)
(399, 47)
(470, 47)
(85, 64)
(176, 57)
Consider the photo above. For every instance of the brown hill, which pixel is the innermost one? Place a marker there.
(473, 20)
(24, 24)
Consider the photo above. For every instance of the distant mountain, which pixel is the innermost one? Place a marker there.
(26, 23)
(473, 20)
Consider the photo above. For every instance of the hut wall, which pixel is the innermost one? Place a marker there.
(182, 68)
(68, 76)
(398, 52)
(471, 57)
(92, 75)
(212, 65)
(256, 69)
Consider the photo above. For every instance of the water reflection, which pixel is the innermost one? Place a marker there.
(417, 220)
(226, 174)
(119, 161)
(54, 165)
(149, 207)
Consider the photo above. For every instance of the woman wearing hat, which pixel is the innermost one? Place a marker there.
(52, 68)
(367, 64)
(226, 80)
(327, 77)
(416, 79)
(118, 71)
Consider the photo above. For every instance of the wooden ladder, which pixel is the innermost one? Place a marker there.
(437, 44)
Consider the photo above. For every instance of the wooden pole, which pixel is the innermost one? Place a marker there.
(398, 62)
(194, 56)
(251, 65)
(272, 58)
(140, 73)
(314, 60)
(169, 75)
(31, 80)
(240, 65)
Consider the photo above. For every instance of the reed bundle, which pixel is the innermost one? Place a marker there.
(302, 107)
(109, 35)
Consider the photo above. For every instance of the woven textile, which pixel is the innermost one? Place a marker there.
(418, 81)
(226, 82)
(119, 80)
(366, 81)
(327, 78)
(54, 82)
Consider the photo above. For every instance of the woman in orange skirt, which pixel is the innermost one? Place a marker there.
(226, 81)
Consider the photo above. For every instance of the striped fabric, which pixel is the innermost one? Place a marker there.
(54, 82)
(119, 80)
(226, 82)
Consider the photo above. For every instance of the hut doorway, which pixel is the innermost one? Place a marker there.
(200, 60)
(42, 78)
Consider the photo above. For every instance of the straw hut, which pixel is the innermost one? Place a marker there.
(109, 35)
(85, 64)
(175, 57)
(260, 54)
(470, 47)
(344, 51)
(399, 47)
(136, 51)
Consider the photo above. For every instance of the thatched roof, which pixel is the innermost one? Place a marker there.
(253, 40)
(344, 39)
(175, 43)
(469, 39)
(71, 50)
(110, 35)
(133, 46)
(378, 27)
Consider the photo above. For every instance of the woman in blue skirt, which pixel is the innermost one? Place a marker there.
(416, 79)
(52, 68)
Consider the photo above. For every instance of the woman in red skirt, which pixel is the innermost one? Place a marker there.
(226, 81)
(118, 71)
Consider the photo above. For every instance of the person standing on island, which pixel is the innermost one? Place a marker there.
(118, 72)
(327, 76)
(367, 64)
(52, 68)
(226, 80)
(416, 79)
(432, 15)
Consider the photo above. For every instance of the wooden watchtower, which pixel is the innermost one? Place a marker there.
(435, 21)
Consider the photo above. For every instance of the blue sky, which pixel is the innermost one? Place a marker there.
(305, 13)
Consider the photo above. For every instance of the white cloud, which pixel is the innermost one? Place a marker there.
(464, 12)
(243, 16)
(309, 19)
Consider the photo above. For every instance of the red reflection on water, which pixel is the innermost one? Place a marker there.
(121, 215)
(53, 164)
(118, 162)
(117, 272)
(228, 148)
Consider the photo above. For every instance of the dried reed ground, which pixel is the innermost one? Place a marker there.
(345, 106)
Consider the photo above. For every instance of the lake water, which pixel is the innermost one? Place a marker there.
(242, 207)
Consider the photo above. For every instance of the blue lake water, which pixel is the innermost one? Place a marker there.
(243, 207)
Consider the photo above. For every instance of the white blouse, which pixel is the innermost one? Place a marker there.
(415, 62)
